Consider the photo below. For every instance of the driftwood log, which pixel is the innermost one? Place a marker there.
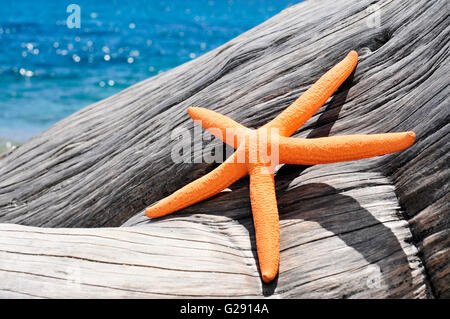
(370, 228)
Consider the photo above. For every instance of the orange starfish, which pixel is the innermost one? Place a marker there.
(248, 158)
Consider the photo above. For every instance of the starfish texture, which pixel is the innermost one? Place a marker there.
(288, 150)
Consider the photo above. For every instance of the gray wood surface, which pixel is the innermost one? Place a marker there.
(371, 228)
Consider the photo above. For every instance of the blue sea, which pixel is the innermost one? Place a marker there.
(48, 70)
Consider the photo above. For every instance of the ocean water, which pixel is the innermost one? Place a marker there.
(48, 70)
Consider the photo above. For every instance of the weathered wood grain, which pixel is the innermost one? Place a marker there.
(356, 247)
(371, 228)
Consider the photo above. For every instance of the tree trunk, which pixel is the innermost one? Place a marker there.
(376, 228)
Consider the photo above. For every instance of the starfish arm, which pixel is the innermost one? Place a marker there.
(204, 187)
(309, 102)
(266, 221)
(341, 148)
(219, 125)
